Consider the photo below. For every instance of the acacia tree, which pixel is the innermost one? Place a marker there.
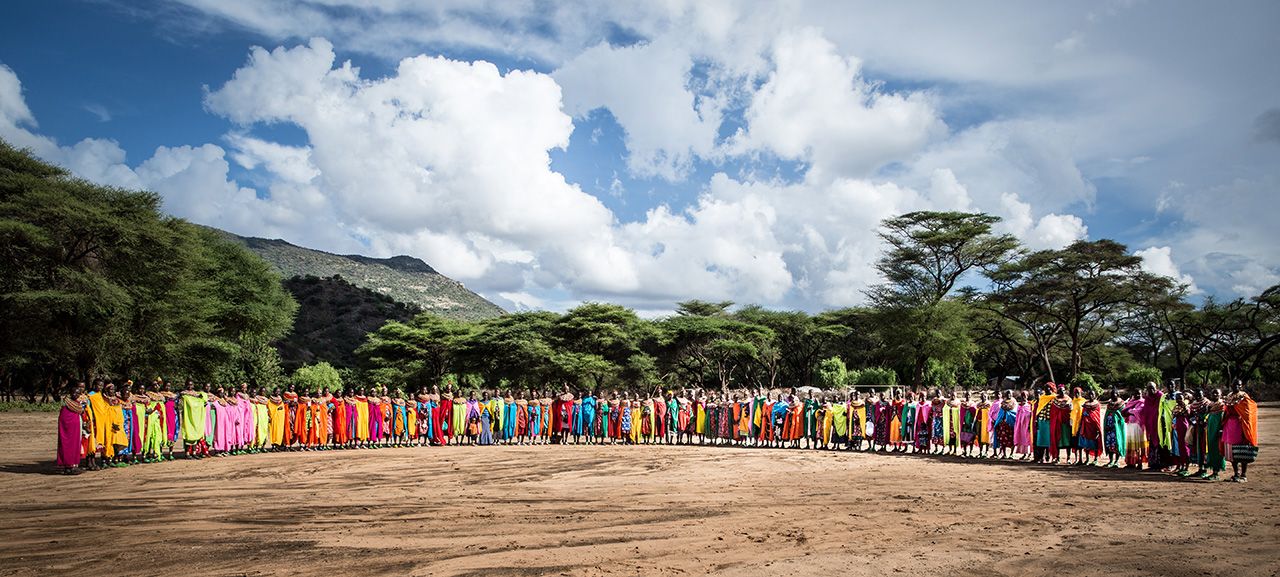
(709, 350)
(1004, 345)
(1241, 333)
(421, 351)
(1078, 291)
(98, 280)
(514, 347)
(929, 253)
(603, 343)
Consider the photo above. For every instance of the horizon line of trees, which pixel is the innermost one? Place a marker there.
(1085, 315)
(99, 281)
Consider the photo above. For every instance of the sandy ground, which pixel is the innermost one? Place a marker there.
(588, 510)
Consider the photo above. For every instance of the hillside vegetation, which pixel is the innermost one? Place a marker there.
(403, 278)
(334, 318)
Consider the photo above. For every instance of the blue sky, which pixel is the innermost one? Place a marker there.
(547, 153)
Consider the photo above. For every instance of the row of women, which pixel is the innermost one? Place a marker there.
(1161, 430)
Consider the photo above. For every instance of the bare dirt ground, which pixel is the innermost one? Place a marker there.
(590, 510)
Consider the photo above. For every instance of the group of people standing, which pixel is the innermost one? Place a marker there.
(1160, 430)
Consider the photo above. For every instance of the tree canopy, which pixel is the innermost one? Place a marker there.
(98, 280)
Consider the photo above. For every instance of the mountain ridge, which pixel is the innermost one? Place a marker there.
(404, 278)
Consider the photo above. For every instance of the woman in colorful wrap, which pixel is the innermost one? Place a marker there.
(520, 416)
(938, 415)
(856, 412)
(1240, 432)
(951, 425)
(248, 427)
(1135, 434)
(896, 405)
(839, 417)
(125, 453)
(1213, 457)
(302, 422)
(73, 428)
(1060, 425)
(192, 422)
(1113, 429)
(535, 419)
(742, 420)
(290, 397)
(113, 415)
(647, 420)
(376, 420)
(547, 416)
(276, 416)
(907, 426)
(1090, 431)
(99, 408)
(359, 418)
(577, 422)
(443, 429)
(154, 432)
(1181, 433)
(510, 421)
(1195, 434)
(827, 416)
(486, 419)
(261, 421)
(637, 420)
(338, 413)
(562, 417)
(321, 421)
(684, 419)
(968, 424)
(136, 406)
(225, 432)
(1075, 454)
(423, 407)
(924, 424)
(399, 420)
(671, 418)
(473, 418)
(1155, 427)
(698, 416)
(460, 420)
(599, 426)
(809, 418)
(712, 431)
(792, 424)
(659, 416)
(984, 424)
(170, 419)
(388, 418)
(624, 418)
(1043, 425)
(1006, 421)
(210, 416)
(1022, 436)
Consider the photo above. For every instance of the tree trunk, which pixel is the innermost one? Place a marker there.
(1044, 359)
(918, 376)
(1076, 361)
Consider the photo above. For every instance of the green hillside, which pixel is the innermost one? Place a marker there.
(333, 319)
(403, 278)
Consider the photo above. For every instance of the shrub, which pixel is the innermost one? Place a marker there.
(1086, 383)
(312, 378)
(832, 374)
(1138, 378)
(877, 377)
